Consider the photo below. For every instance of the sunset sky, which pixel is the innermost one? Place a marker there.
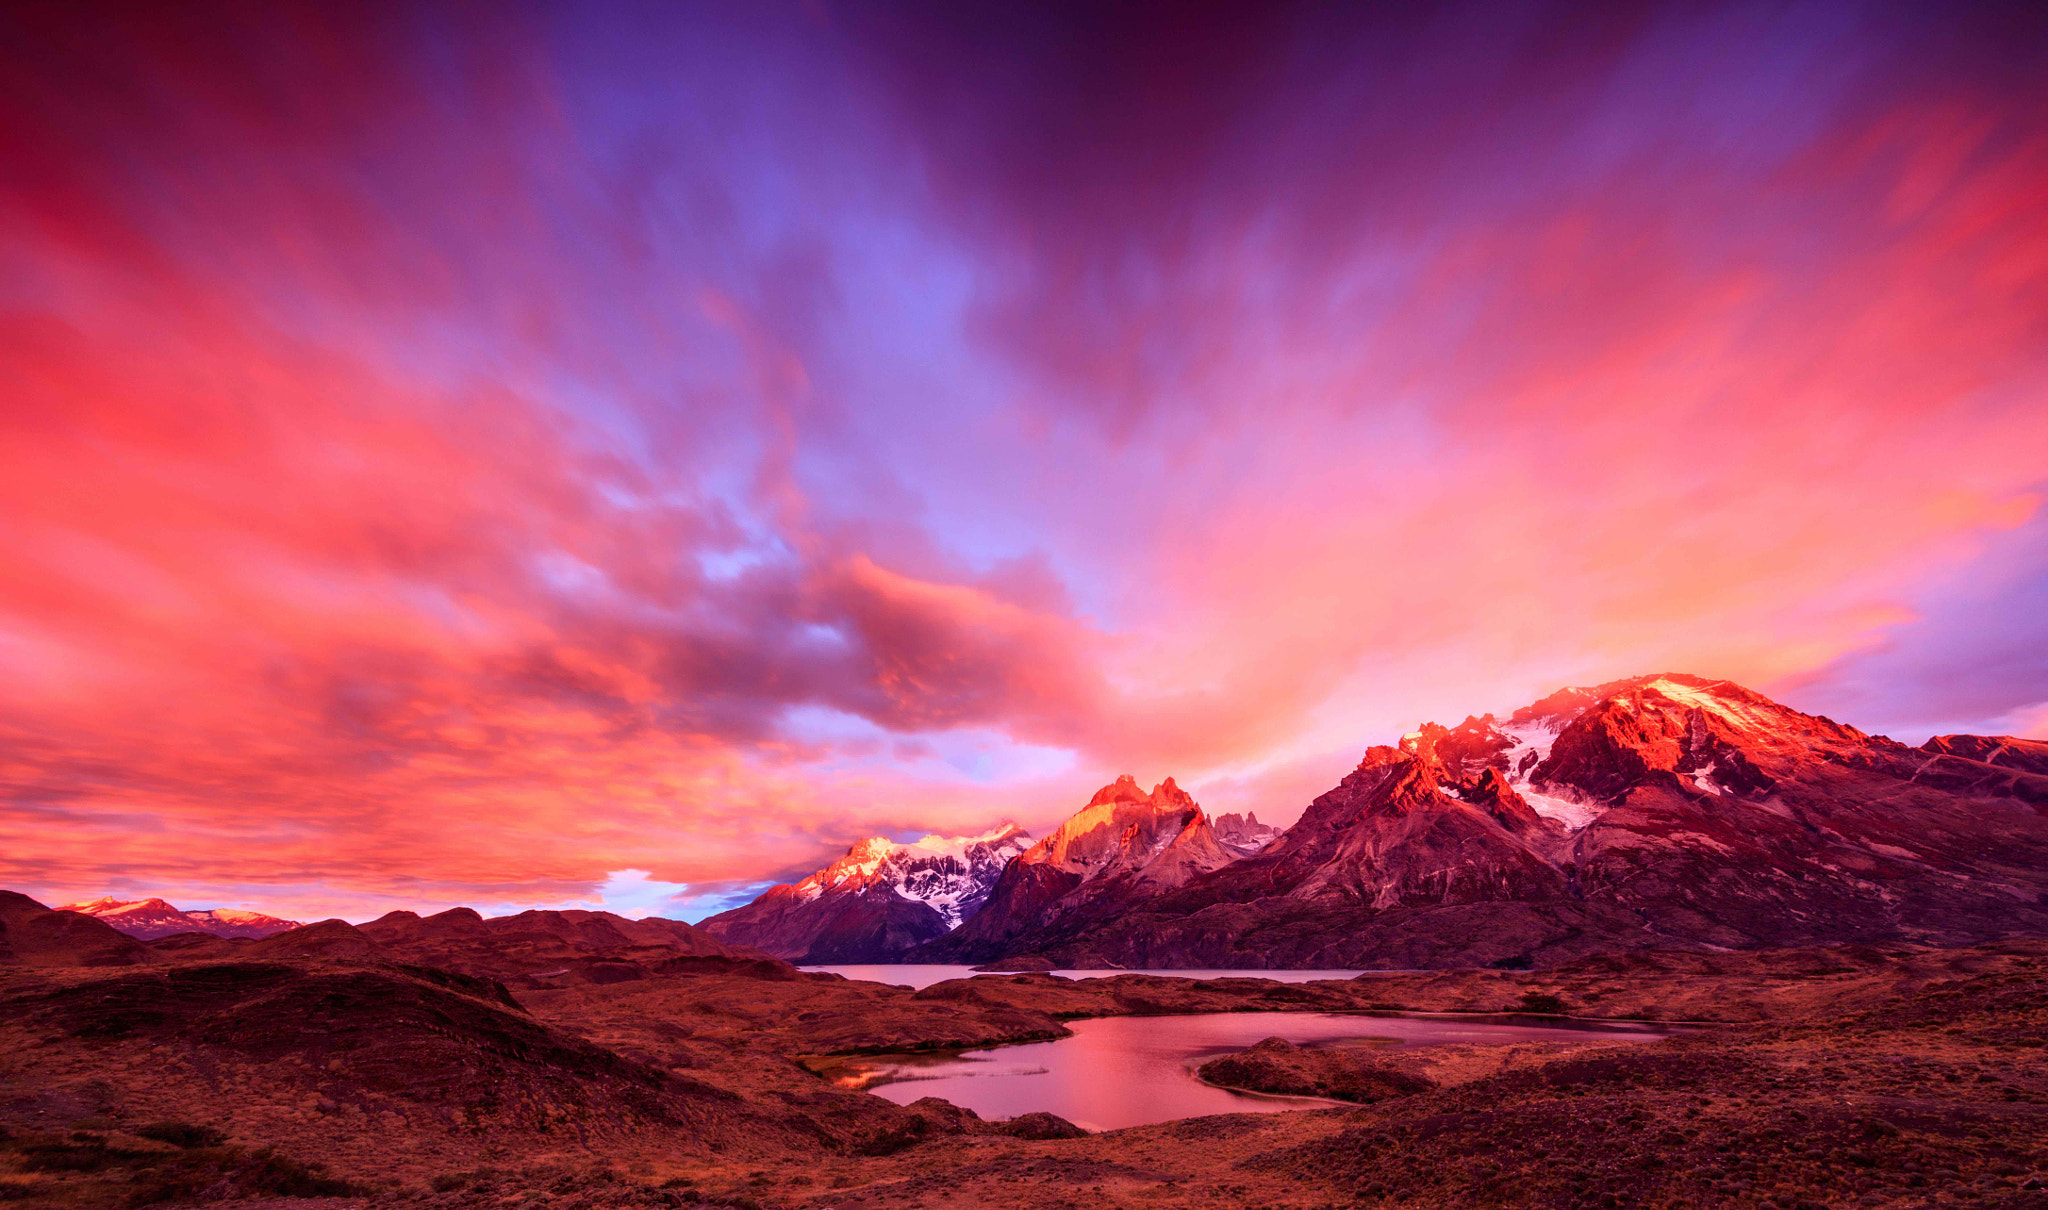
(606, 455)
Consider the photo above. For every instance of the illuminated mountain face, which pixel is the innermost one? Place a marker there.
(880, 899)
(1656, 811)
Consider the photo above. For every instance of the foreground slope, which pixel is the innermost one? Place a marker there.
(34, 935)
(879, 900)
(1657, 811)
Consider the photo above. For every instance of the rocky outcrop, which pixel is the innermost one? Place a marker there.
(878, 901)
(1658, 811)
(1279, 1067)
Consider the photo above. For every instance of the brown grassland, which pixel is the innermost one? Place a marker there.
(1824, 1077)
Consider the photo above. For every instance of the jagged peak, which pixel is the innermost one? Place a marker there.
(1117, 817)
(1124, 789)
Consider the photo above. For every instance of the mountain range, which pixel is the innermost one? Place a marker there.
(153, 918)
(1657, 811)
(530, 950)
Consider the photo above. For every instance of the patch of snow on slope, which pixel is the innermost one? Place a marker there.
(1573, 815)
(1532, 745)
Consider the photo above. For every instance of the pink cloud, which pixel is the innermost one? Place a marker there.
(446, 462)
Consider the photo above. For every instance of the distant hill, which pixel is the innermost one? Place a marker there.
(34, 935)
(149, 919)
(535, 949)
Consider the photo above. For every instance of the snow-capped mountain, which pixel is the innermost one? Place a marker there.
(148, 918)
(1667, 811)
(880, 899)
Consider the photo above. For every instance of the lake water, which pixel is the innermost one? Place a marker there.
(1130, 1071)
(924, 976)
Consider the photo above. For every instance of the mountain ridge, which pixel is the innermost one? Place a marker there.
(882, 898)
(1659, 810)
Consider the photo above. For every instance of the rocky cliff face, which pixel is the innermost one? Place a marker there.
(1244, 834)
(1657, 811)
(1126, 846)
(876, 902)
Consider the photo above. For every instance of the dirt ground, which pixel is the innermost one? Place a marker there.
(1840, 1078)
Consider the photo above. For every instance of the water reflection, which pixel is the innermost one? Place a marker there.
(1128, 1071)
(923, 976)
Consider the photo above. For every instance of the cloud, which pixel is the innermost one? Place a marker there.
(450, 462)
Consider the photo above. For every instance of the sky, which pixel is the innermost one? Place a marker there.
(618, 455)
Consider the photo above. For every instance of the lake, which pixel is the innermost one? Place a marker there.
(1130, 1071)
(923, 976)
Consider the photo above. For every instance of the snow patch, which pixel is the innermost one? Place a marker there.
(1573, 815)
(1740, 714)
(1532, 745)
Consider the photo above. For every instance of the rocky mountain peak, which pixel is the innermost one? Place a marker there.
(1125, 844)
(1118, 820)
(1244, 834)
(1124, 789)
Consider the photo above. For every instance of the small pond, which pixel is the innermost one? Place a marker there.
(1129, 1071)
(923, 976)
